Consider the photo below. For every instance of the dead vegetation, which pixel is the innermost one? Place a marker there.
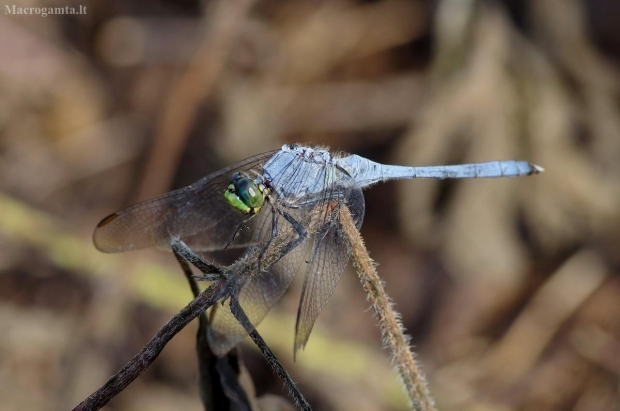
(509, 288)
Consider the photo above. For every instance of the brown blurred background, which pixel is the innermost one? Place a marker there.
(509, 288)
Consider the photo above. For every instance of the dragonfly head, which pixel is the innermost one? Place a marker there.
(244, 194)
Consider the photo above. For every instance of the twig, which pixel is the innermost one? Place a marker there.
(242, 269)
(184, 253)
(151, 350)
(389, 321)
(270, 357)
(218, 380)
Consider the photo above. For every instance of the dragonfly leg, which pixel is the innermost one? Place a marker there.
(302, 234)
(274, 233)
(239, 227)
(210, 272)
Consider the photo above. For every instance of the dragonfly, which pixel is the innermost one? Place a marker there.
(264, 197)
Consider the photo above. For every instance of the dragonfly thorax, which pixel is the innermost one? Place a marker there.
(244, 194)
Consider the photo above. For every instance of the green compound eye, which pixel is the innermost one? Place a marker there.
(249, 193)
(244, 194)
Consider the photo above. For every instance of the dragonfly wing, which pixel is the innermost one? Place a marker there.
(259, 293)
(329, 257)
(198, 214)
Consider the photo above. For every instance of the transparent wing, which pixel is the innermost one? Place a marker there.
(326, 248)
(259, 293)
(329, 258)
(198, 214)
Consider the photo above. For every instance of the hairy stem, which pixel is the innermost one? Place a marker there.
(389, 321)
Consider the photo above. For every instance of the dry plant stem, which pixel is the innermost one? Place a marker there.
(270, 357)
(151, 350)
(184, 254)
(389, 322)
(246, 266)
(203, 354)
